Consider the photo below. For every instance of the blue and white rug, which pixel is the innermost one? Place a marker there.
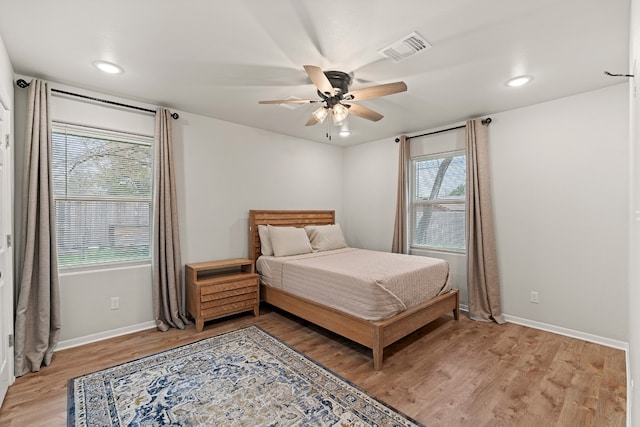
(241, 378)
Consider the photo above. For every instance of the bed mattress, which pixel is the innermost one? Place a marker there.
(368, 284)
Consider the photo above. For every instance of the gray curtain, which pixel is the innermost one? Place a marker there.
(482, 266)
(400, 245)
(37, 325)
(167, 283)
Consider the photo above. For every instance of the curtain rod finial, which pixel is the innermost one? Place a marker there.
(22, 83)
(617, 75)
(397, 140)
(175, 116)
(486, 121)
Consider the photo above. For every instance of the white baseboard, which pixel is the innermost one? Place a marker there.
(75, 342)
(608, 342)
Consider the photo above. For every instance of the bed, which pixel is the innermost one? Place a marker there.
(375, 328)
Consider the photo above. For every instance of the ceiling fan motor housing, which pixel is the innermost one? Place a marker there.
(339, 80)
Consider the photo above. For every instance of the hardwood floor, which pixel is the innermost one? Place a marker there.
(446, 374)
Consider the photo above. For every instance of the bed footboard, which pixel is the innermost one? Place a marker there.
(374, 335)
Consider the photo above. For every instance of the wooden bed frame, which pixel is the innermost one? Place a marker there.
(375, 335)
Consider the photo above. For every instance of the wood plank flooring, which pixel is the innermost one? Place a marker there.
(446, 374)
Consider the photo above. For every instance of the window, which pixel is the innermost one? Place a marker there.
(102, 189)
(438, 202)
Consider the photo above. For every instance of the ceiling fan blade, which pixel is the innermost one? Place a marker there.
(376, 91)
(312, 121)
(319, 79)
(364, 112)
(288, 101)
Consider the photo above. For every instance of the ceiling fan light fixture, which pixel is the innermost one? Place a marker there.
(320, 114)
(339, 114)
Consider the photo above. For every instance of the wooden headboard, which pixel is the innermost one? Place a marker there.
(283, 219)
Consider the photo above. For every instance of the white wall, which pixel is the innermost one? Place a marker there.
(560, 182)
(85, 298)
(634, 271)
(370, 182)
(223, 170)
(6, 78)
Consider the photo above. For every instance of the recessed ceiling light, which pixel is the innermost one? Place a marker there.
(519, 81)
(108, 67)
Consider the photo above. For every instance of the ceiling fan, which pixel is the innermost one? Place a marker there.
(333, 88)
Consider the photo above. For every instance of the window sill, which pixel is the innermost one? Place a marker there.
(421, 250)
(93, 268)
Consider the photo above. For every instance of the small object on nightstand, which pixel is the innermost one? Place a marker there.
(220, 288)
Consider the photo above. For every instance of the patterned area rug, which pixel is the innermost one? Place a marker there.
(241, 378)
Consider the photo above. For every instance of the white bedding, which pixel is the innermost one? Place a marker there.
(369, 284)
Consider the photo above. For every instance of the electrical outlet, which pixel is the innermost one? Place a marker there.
(534, 297)
(115, 303)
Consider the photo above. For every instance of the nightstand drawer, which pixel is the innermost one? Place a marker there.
(251, 296)
(226, 294)
(213, 289)
(229, 308)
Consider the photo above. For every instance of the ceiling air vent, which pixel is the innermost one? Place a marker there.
(406, 47)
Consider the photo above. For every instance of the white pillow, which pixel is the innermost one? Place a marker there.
(265, 240)
(289, 241)
(325, 237)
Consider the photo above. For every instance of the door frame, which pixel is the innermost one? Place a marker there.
(6, 310)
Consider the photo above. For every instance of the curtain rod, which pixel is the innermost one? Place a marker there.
(23, 84)
(483, 121)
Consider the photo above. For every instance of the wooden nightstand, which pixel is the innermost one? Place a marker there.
(220, 288)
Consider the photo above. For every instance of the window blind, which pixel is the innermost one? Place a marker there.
(102, 189)
(438, 202)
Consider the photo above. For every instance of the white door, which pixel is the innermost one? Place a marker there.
(6, 256)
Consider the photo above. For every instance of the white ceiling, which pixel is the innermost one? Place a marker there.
(219, 58)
